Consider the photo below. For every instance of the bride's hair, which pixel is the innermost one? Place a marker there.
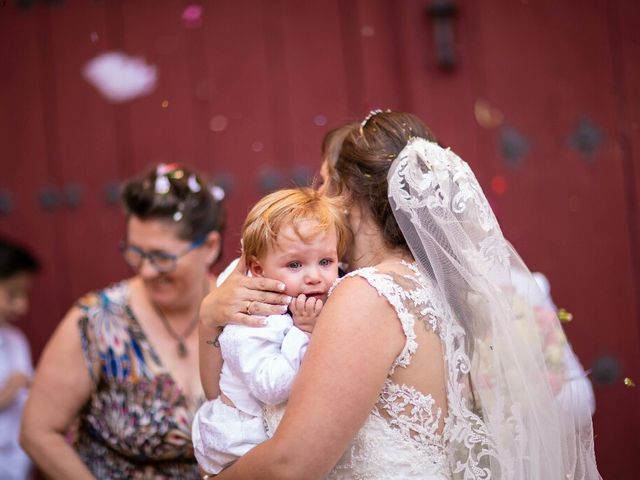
(365, 158)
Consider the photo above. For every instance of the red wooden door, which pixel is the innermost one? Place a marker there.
(541, 102)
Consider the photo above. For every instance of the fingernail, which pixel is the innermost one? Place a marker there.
(261, 321)
(283, 308)
(287, 299)
(281, 287)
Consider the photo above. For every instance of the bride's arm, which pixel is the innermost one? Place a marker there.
(353, 346)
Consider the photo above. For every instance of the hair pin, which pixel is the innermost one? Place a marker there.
(193, 184)
(372, 114)
(217, 193)
(162, 185)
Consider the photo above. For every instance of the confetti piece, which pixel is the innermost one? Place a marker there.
(486, 116)
(120, 77)
(192, 16)
(564, 316)
(628, 382)
(499, 185)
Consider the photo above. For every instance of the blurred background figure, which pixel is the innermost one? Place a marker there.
(574, 390)
(124, 360)
(17, 268)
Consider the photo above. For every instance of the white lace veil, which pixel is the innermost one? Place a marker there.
(512, 427)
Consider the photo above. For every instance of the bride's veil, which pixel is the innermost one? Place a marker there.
(504, 420)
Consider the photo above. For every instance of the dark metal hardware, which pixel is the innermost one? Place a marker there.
(6, 202)
(49, 198)
(73, 195)
(442, 13)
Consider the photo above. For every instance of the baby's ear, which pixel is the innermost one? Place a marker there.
(255, 268)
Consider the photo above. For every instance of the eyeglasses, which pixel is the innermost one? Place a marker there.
(163, 262)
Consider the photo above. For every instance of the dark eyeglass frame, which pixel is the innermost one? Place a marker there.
(153, 256)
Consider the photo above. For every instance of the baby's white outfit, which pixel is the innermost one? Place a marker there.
(260, 365)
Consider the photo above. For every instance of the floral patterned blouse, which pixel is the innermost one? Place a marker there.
(137, 423)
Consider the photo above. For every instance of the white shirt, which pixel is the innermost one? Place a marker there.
(261, 363)
(15, 356)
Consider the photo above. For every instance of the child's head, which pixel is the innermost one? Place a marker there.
(296, 236)
(17, 267)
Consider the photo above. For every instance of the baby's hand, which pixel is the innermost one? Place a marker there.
(305, 312)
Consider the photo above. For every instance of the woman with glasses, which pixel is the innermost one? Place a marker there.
(125, 359)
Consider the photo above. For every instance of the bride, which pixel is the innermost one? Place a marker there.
(425, 363)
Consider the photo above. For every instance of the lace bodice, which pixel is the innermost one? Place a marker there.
(402, 438)
(406, 433)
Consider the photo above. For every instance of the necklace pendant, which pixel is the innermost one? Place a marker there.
(182, 350)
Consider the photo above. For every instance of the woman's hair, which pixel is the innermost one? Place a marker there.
(331, 146)
(15, 259)
(287, 208)
(361, 167)
(176, 194)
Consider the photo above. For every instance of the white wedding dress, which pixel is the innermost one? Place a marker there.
(405, 435)
(459, 303)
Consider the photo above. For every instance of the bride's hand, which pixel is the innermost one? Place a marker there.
(243, 300)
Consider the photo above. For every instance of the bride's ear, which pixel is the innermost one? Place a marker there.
(255, 268)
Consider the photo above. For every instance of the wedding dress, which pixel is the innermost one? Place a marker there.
(501, 419)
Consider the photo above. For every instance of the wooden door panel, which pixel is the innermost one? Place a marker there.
(244, 140)
(87, 162)
(547, 67)
(314, 80)
(26, 164)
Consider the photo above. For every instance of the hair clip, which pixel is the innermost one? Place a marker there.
(172, 169)
(162, 185)
(217, 193)
(178, 214)
(372, 114)
(193, 184)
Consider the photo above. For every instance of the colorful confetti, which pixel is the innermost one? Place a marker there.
(564, 316)
(499, 185)
(120, 77)
(628, 382)
(486, 116)
(192, 16)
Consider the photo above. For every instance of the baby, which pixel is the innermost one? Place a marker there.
(295, 236)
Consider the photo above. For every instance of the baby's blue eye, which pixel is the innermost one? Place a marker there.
(325, 262)
(294, 265)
